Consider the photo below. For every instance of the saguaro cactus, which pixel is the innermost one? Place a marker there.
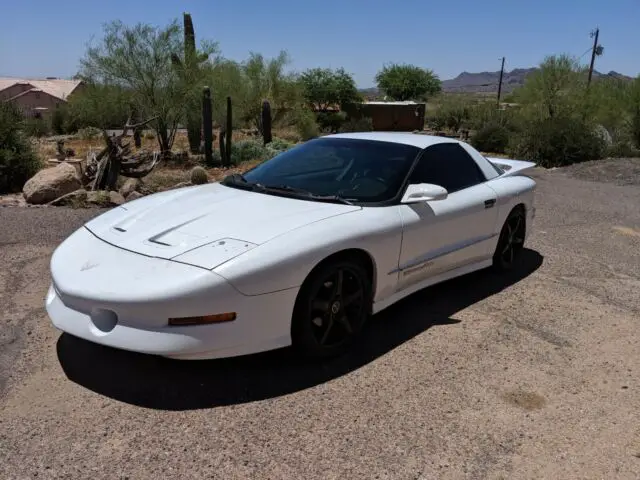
(266, 122)
(223, 153)
(194, 121)
(207, 122)
(228, 134)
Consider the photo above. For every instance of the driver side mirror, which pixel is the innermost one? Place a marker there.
(423, 192)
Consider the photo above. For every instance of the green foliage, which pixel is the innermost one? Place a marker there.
(407, 82)
(89, 133)
(191, 76)
(99, 106)
(305, 124)
(492, 138)
(247, 150)
(453, 112)
(633, 111)
(267, 80)
(363, 124)
(198, 176)
(555, 89)
(323, 88)
(18, 161)
(59, 120)
(279, 145)
(36, 127)
(557, 141)
(138, 59)
(486, 113)
(331, 122)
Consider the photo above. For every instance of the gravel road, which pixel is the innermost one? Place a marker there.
(531, 375)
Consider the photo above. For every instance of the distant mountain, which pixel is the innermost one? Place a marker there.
(487, 82)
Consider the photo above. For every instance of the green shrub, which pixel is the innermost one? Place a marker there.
(363, 124)
(492, 138)
(247, 150)
(59, 120)
(279, 145)
(36, 127)
(18, 161)
(623, 149)
(306, 125)
(557, 141)
(89, 133)
(331, 121)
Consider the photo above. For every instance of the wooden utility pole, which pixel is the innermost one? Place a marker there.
(593, 53)
(500, 82)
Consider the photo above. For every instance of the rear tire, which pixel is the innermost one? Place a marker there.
(332, 307)
(511, 241)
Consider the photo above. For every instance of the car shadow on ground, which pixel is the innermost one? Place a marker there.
(160, 383)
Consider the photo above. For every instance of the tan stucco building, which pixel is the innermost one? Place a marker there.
(38, 97)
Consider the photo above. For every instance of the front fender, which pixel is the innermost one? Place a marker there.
(285, 261)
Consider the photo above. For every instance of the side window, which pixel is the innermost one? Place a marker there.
(447, 165)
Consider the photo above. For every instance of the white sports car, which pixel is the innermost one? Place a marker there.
(298, 251)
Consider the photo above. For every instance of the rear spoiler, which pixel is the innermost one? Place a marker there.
(510, 167)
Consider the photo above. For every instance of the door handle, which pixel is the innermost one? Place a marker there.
(489, 203)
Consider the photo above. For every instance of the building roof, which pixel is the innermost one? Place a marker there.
(414, 139)
(53, 86)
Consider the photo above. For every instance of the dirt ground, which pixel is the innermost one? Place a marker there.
(531, 375)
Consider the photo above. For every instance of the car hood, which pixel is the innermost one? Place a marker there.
(170, 224)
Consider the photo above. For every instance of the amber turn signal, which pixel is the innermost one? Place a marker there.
(203, 320)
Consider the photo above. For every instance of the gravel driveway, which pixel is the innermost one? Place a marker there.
(531, 375)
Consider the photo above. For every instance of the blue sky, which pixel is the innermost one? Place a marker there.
(45, 38)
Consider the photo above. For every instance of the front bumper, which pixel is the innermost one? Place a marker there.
(121, 299)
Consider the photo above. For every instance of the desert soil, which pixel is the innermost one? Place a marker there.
(535, 374)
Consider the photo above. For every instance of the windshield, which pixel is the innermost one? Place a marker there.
(350, 169)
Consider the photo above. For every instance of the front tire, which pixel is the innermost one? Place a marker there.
(331, 309)
(511, 241)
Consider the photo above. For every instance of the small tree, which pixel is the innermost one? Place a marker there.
(556, 88)
(323, 87)
(99, 106)
(267, 79)
(408, 82)
(633, 109)
(139, 59)
(18, 161)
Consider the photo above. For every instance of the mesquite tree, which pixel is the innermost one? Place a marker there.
(138, 58)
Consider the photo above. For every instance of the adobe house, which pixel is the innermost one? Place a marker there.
(38, 98)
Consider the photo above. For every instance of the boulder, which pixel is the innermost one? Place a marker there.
(116, 198)
(103, 198)
(74, 199)
(51, 183)
(129, 186)
(134, 196)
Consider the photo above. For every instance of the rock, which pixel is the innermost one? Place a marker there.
(130, 185)
(51, 183)
(116, 198)
(102, 198)
(74, 199)
(134, 196)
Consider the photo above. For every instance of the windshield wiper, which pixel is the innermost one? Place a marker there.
(239, 180)
(307, 193)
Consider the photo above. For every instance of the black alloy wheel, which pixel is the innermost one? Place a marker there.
(511, 241)
(331, 309)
